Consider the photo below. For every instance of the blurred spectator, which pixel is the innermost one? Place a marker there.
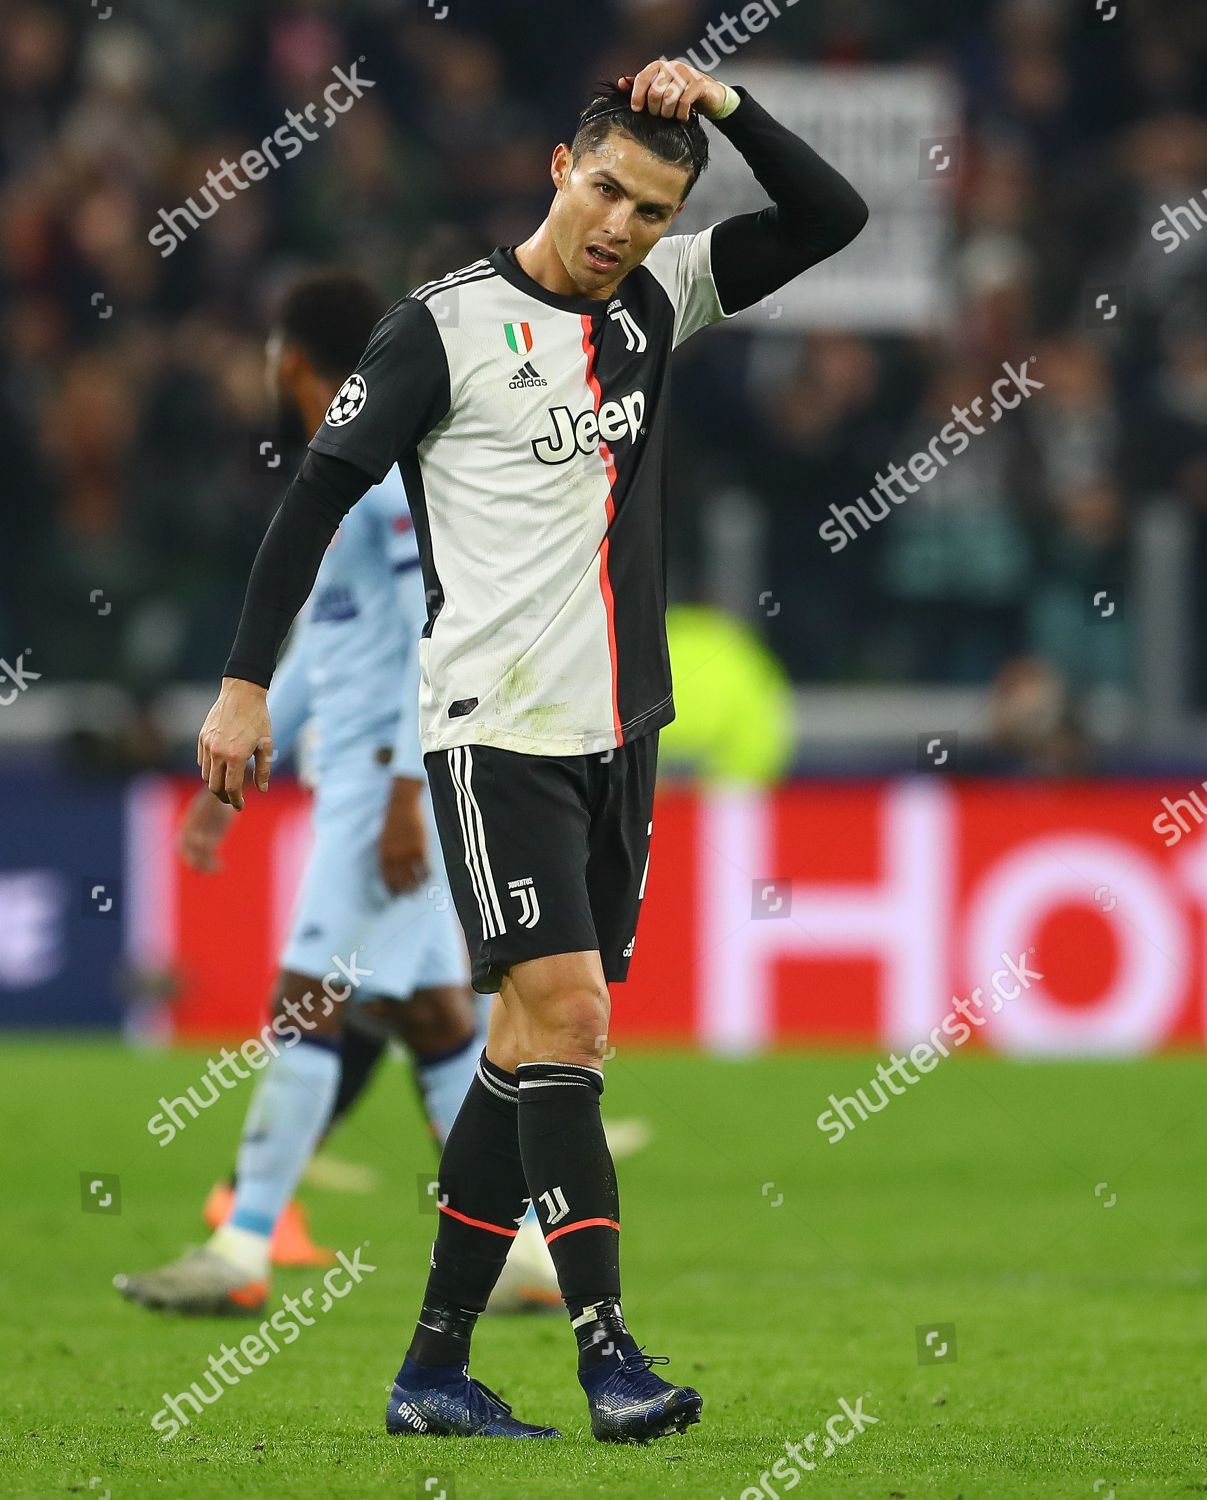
(1032, 724)
(130, 400)
(957, 556)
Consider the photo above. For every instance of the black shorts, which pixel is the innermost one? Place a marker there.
(545, 853)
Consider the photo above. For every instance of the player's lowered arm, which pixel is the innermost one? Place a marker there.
(238, 726)
(286, 565)
(814, 210)
(236, 729)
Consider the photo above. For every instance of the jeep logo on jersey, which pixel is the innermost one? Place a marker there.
(585, 432)
(348, 401)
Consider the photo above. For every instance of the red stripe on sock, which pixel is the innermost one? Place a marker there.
(582, 1224)
(481, 1223)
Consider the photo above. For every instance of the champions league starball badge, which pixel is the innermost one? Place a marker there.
(348, 401)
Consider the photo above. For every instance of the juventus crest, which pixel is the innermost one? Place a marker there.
(635, 339)
(525, 893)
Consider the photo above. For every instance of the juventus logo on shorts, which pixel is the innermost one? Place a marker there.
(556, 1207)
(525, 893)
(633, 336)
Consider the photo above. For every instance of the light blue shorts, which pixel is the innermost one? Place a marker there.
(410, 942)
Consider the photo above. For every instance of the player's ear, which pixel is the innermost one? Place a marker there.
(561, 166)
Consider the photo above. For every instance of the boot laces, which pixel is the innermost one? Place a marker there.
(636, 1366)
(494, 1399)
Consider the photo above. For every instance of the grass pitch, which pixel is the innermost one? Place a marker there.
(1053, 1213)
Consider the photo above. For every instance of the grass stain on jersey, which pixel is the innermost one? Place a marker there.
(519, 685)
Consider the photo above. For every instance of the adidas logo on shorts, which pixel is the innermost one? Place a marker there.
(525, 378)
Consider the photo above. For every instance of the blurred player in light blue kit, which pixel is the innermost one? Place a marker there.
(374, 894)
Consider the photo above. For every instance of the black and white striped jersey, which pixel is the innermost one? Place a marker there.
(530, 429)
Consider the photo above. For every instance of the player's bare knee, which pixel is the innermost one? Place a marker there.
(301, 1001)
(569, 1027)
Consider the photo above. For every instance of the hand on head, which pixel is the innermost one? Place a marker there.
(673, 90)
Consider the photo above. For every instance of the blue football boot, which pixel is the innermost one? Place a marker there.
(445, 1401)
(630, 1404)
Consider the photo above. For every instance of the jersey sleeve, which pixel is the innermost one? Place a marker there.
(398, 392)
(682, 265)
(814, 211)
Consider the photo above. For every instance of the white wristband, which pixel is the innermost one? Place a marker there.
(732, 100)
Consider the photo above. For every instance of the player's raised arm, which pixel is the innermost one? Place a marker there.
(814, 210)
(397, 394)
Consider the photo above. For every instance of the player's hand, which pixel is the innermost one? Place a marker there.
(402, 848)
(201, 832)
(673, 90)
(235, 729)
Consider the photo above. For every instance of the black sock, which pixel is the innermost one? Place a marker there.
(571, 1179)
(600, 1331)
(483, 1198)
(359, 1054)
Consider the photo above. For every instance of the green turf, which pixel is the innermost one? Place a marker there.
(1081, 1328)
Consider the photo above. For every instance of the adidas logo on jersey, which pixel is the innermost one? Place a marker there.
(525, 378)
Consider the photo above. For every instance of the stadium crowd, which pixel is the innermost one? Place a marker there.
(132, 407)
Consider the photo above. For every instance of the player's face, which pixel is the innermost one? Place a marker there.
(611, 209)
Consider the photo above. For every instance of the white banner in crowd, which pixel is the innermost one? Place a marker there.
(893, 131)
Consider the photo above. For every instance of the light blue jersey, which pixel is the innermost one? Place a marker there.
(352, 672)
(352, 667)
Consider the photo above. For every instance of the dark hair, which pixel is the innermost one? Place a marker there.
(669, 140)
(329, 315)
